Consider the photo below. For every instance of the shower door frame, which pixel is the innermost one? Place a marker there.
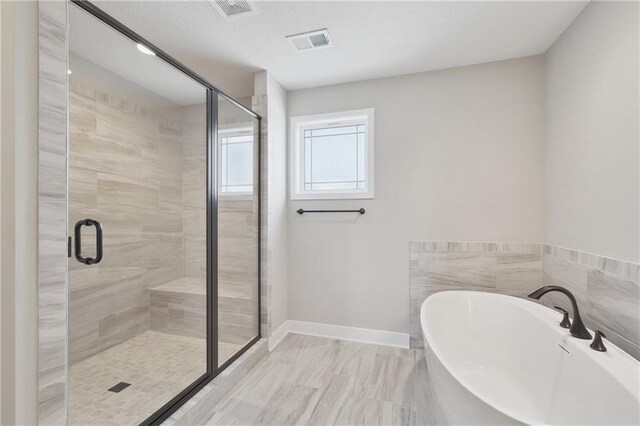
(213, 94)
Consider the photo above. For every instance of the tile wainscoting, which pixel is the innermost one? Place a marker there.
(607, 290)
(509, 268)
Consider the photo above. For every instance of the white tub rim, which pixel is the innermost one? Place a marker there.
(545, 314)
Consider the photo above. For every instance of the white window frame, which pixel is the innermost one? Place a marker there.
(297, 155)
(236, 131)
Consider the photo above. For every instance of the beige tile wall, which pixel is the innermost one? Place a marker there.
(125, 170)
(194, 201)
(52, 206)
(237, 269)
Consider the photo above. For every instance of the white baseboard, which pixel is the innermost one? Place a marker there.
(354, 334)
(278, 335)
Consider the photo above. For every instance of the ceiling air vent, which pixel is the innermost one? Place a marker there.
(311, 40)
(232, 8)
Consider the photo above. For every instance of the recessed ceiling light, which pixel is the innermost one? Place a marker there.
(144, 49)
(68, 72)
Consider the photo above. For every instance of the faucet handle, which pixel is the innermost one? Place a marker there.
(565, 323)
(597, 344)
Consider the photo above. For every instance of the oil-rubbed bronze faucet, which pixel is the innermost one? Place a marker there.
(565, 323)
(577, 328)
(597, 344)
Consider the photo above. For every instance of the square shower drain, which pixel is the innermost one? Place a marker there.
(119, 387)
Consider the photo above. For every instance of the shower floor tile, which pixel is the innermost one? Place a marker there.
(157, 365)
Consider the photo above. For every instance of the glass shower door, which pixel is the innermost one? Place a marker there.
(137, 217)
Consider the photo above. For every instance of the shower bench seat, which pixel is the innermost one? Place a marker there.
(179, 307)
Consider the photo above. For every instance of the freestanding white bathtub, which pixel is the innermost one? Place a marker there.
(496, 359)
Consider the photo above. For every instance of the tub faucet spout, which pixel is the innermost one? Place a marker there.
(577, 328)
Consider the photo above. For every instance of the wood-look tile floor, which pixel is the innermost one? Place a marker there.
(157, 365)
(317, 381)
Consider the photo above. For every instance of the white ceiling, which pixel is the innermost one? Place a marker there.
(372, 39)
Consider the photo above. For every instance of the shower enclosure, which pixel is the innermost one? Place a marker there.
(163, 225)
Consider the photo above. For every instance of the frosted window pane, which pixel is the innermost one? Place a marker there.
(334, 158)
(236, 169)
(307, 160)
(334, 131)
(223, 167)
(361, 155)
(240, 163)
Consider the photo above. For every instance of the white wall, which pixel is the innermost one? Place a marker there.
(459, 156)
(277, 238)
(592, 113)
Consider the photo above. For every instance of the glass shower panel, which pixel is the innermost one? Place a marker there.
(137, 177)
(238, 246)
